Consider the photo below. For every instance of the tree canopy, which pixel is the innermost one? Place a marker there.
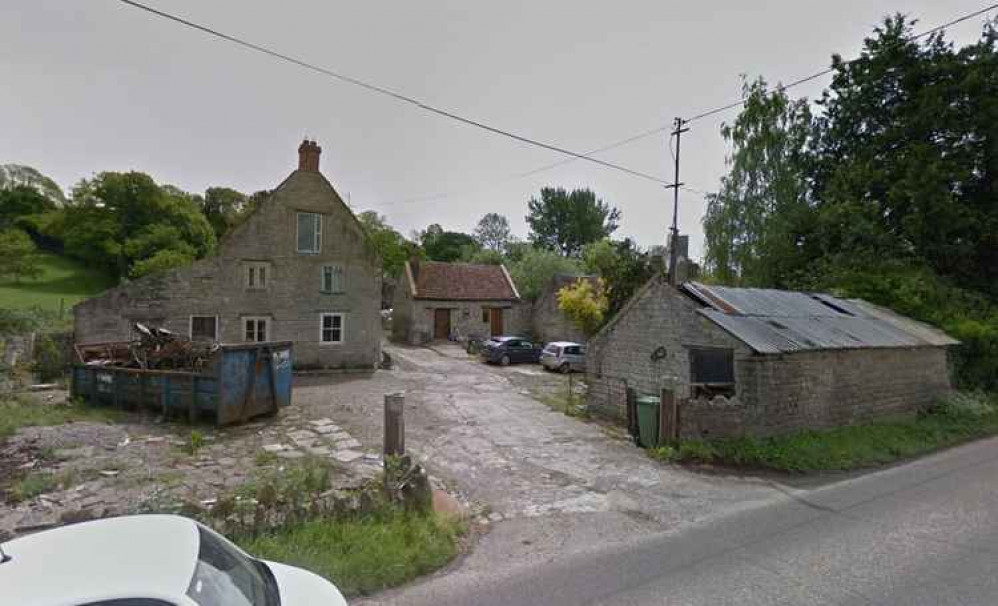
(390, 245)
(116, 220)
(493, 232)
(565, 221)
(447, 246)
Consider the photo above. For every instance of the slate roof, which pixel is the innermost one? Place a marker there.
(462, 282)
(777, 321)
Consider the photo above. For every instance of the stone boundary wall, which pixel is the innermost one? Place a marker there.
(821, 390)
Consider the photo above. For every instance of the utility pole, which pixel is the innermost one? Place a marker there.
(673, 245)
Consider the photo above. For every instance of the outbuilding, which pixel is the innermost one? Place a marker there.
(748, 361)
(456, 301)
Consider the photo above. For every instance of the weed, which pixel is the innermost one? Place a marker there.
(665, 454)
(22, 411)
(265, 458)
(958, 419)
(363, 553)
(195, 442)
(32, 485)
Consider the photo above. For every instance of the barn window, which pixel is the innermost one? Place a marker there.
(712, 371)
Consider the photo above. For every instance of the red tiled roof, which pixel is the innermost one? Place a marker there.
(462, 281)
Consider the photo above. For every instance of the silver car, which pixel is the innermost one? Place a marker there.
(564, 356)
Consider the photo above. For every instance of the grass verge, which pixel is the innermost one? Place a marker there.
(363, 554)
(63, 283)
(961, 418)
(20, 411)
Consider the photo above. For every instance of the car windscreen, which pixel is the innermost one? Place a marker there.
(551, 349)
(224, 576)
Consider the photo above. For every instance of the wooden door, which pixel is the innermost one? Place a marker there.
(441, 323)
(495, 322)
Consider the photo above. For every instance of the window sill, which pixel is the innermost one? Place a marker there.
(330, 343)
(332, 292)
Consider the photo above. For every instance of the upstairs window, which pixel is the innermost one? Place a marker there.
(309, 233)
(257, 275)
(332, 278)
(331, 328)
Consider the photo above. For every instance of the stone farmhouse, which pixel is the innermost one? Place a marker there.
(760, 362)
(455, 301)
(300, 268)
(549, 322)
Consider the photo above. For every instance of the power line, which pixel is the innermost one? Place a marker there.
(388, 92)
(829, 70)
(699, 116)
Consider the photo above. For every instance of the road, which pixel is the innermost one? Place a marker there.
(922, 533)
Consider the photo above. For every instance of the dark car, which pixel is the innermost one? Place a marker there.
(510, 350)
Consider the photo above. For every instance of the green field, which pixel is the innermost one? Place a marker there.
(63, 282)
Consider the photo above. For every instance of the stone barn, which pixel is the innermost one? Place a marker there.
(763, 362)
(455, 301)
(300, 268)
(549, 322)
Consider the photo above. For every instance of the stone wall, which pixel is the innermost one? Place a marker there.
(293, 299)
(550, 323)
(657, 319)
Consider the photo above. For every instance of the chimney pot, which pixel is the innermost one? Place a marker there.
(308, 156)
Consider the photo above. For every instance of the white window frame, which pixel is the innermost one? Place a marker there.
(254, 267)
(268, 325)
(190, 326)
(343, 328)
(322, 279)
(317, 234)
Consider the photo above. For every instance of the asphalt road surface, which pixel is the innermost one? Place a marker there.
(921, 533)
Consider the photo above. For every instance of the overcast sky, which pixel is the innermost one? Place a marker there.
(91, 85)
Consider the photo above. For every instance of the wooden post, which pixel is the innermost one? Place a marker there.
(668, 427)
(632, 413)
(395, 424)
(568, 407)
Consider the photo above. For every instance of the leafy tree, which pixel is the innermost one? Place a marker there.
(162, 260)
(535, 268)
(21, 201)
(566, 221)
(906, 141)
(585, 305)
(493, 233)
(16, 175)
(623, 268)
(390, 245)
(447, 246)
(754, 223)
(118, 219)
(222, 207)
(18, 256)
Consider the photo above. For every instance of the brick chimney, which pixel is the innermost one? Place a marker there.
(308, 156)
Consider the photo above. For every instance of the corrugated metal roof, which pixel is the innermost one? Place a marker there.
(774, 321)
(759, 301)
(925, 332)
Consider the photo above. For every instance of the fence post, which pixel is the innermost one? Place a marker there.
(394, 424)
(632, 413)
(668, 426)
